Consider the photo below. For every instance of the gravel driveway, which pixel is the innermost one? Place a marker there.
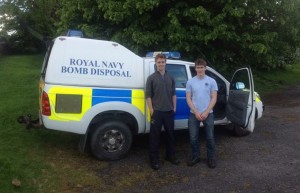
(268, 160)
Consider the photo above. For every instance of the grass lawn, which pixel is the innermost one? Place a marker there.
(31, 160)
(40, 160)
(266, 82)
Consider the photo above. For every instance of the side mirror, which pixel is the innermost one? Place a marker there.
(239, 86)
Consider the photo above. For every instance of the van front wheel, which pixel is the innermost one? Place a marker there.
(111, 140)
(240, 131)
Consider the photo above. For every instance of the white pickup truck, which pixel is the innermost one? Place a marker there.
(95, 88)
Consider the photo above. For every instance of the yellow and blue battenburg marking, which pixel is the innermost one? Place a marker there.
(103, 95)
(91, 97)
(135, 97)
(182, 110)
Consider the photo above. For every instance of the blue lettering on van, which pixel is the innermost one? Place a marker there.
(96, 67)
(112, 64)
(74, 70)
(94, 63)
(82, 62)
(108, 72)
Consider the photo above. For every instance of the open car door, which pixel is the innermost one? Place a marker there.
(240, 108)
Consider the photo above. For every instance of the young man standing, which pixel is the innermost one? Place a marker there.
(161, 101)
(201, 96)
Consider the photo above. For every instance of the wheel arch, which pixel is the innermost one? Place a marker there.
(109, 111)
(114, 115)
(105, 117)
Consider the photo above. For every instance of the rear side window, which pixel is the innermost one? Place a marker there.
(68, 103)
(46, 59)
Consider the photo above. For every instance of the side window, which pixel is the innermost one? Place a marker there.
(221, 84)
(193, 71)
(240, 81)
(214, 76)
(179, 74)
(46, 59)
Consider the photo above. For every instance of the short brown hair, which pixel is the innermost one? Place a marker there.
(160, 56)
(200, 62)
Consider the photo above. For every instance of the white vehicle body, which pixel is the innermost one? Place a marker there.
(96, 88)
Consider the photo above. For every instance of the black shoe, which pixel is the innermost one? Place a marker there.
(211, 163)
(155, 165)
(173, 160)
(193, 161)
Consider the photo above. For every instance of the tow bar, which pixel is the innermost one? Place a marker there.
(27, 120)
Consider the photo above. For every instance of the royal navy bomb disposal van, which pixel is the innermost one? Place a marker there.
(96, 89)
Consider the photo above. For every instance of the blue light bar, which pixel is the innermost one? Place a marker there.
(170, 54)
(75, 33)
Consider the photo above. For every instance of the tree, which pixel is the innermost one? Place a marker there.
(263, 34)
(260, 33)
(26, 23)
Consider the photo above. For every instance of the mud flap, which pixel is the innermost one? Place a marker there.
(82, 143)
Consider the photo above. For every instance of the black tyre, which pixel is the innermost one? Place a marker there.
(238, 130)
(111, 140)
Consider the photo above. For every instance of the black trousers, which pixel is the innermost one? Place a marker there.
(159, 119)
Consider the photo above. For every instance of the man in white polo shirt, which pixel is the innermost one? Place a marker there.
(201, 96)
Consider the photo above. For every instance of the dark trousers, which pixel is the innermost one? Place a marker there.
(194, 125)
(159, 119)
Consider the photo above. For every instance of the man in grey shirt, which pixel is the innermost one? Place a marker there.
(161, 101)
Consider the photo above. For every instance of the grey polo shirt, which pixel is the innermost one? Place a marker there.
(161, 90)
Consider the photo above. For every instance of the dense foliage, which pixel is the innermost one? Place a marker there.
(261, 33)
(27, 22)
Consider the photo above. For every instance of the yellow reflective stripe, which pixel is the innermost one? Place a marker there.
(86, 102)
(138, 99)
(257, 99)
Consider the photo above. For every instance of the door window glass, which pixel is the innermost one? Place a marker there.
(193, 71)
(240, 81)
(179, 74)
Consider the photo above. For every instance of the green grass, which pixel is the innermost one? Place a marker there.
(18, 76)
(29, 156)
(266, 82)
(49, 161)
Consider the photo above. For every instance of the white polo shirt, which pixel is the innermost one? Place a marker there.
(201, 90)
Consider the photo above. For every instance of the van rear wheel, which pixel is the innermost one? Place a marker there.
(111, 140)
